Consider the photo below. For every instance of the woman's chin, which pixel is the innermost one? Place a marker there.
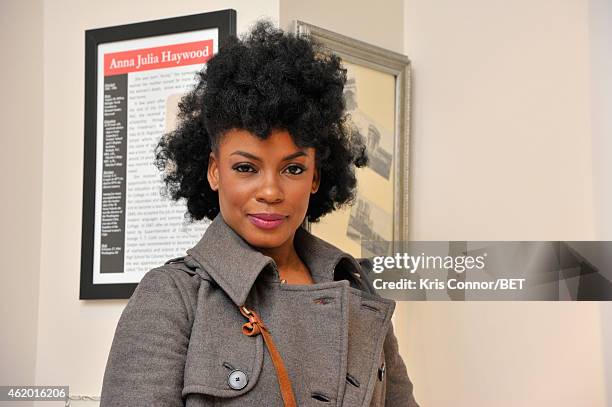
(266, 238)
(266, 241)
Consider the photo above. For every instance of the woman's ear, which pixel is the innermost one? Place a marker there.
(316, 181)
(213, 172)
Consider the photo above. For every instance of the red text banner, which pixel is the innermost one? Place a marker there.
(158, 57)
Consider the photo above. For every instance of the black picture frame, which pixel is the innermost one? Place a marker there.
(225, 23)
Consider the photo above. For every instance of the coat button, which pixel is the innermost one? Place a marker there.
(237, 379)
(381, 372)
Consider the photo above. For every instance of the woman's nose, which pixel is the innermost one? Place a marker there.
(270, 190)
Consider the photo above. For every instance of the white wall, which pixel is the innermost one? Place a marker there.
(501, 150)
(501, 120)
(382, 26)
(600, 33)
(21, 114)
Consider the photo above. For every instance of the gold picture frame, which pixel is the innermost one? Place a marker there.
(377, 95)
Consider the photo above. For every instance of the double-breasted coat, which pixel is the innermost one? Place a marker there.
(179, 341)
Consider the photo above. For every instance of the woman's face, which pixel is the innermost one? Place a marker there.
(264, 185)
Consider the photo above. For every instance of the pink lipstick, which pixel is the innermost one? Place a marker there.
(266, 220)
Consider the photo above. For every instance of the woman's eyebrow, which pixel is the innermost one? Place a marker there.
(254, 157)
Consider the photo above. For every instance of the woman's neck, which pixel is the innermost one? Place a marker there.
(284, 256)
(290, 267)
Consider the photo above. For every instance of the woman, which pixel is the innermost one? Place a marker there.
(260, 312)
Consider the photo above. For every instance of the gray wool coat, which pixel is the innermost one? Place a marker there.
(179, 340)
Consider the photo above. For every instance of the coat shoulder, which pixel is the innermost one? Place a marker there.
(186, 275)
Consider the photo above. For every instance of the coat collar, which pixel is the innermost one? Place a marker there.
(235, 265)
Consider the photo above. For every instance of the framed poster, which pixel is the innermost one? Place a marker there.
(377, 95)
(135, 75)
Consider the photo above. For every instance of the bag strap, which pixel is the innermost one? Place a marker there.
(254, 327)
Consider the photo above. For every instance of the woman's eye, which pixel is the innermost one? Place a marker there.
(244, 168)
(295, 169)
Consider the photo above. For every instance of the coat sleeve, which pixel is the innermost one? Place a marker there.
(399, 387)
(146, 363)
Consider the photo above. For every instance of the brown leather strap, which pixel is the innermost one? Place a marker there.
(255, 326)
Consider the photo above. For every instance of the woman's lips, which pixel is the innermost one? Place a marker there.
(266, 221)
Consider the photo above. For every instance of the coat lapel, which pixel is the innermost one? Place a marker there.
(231, 262)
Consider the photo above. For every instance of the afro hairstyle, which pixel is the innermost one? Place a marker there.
(268, 79)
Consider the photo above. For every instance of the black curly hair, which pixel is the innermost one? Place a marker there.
(268, 79)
